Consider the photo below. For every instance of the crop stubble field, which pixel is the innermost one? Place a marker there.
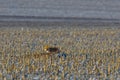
(92, 53)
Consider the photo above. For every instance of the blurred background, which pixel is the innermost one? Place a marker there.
(60, 10)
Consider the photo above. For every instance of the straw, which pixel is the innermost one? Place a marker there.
(84, 53)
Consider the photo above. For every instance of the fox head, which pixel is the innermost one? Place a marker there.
(46, 48)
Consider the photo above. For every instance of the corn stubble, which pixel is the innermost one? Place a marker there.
(91, 53)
